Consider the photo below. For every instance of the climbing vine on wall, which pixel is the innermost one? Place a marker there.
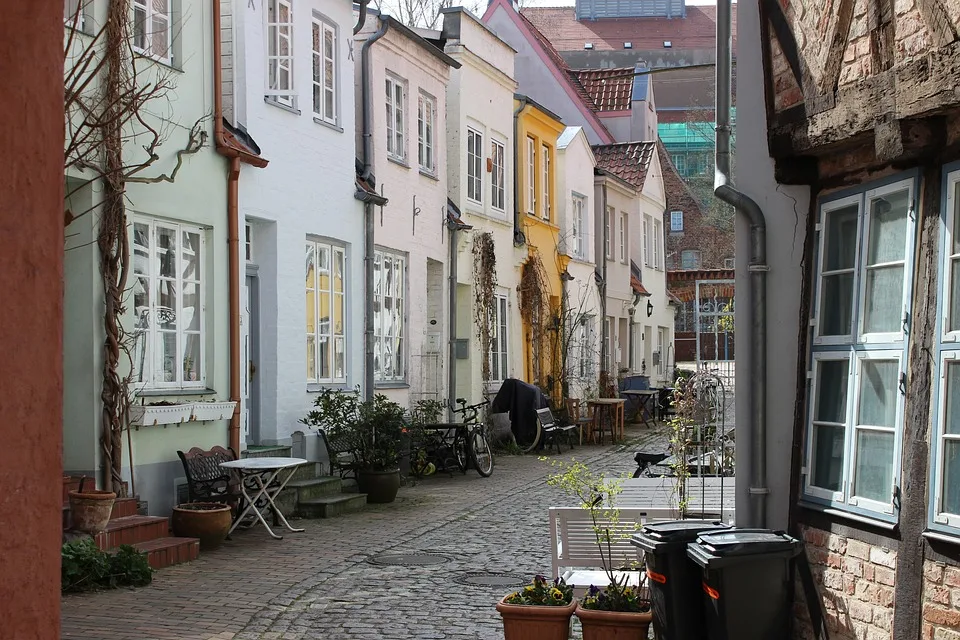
(535, 311)
(485, 286)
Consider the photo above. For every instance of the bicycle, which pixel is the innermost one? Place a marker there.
(447, 446)
(475, 432)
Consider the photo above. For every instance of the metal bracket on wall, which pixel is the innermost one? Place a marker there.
(416, 212)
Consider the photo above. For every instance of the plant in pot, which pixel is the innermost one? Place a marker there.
(375, 427)
(539, 611)
(618, 610)
(90, 509)
(209, 522)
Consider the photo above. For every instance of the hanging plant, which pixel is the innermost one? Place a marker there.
(535, 311)
(485, 286)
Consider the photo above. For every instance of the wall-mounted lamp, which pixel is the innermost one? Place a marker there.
(649, 308)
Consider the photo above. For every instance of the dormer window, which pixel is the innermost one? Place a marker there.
(588, 45)
(667, 44)
(628, 45)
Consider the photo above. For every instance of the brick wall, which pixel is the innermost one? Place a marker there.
(941, 601)
(856, 581)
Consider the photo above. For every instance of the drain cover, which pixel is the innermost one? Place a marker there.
(493, 579)
(410, 559)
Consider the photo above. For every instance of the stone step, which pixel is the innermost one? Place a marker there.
(168, 551)
(315, 487)
(132, 530)
(306, 472)
(332, 506)
(279, 451)
(124, 507)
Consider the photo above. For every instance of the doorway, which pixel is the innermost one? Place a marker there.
(251, 344)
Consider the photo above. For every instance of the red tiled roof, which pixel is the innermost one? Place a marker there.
(560, 26)
(627, 160)
(609, 89)
(637, 286)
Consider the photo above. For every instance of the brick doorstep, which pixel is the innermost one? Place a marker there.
(164, 552)
(131, 530)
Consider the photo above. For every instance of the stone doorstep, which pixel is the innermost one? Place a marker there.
(267, 452)
(132, 530)
(332, 506)
(315, 487)
(168, 551)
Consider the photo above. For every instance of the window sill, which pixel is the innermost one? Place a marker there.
(398, 161)
(848, 515)
(939, 536)
(163, 63)
(326, 124)
(317, 387)
(391, 385)
(428, 174)
(160, 393)
(279, 105)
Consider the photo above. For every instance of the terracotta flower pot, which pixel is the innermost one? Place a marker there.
(530, 622)
(90, 509)
(614, 625)
(209, 522)
(380, 486)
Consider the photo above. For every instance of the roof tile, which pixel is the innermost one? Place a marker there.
(609, 89)
(628, 161)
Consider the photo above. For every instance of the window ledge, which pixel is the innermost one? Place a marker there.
(160, 393)
(317, 387)
(941, 537)
(279, 105)
(427, 174)
(848, 515)
(326, 124)
(398, 161)
(163, 63)
(391, 385)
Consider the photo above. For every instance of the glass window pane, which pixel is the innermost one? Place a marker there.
(954, 293)
(956, 219)
(339, 358)
(951, 423)
(827, 457)
(951, 476)
(167, 307)
(831, 401)
(167, 357)
(840, 248)
(878, 393)
(888, 228)
(323, 358)
(191, 307)
(191, 357)
(836, 304)
(141, 248)
(874, 473)
(311, 311)
(311, 358)
(883, 300)
(167, 252)
(191, 256)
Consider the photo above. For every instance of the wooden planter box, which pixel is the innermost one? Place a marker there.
(153, 415)
(203, 411)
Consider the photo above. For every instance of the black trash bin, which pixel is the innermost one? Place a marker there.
(746, 582)
(674, 579)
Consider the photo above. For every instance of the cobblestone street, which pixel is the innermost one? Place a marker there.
(322, 583)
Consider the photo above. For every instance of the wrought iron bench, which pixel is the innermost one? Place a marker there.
(341, 450)
(207, 481)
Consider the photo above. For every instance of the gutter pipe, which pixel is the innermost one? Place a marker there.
(518, 237)
(758, 268)
(366, 98)
(236, 157)
(603, 277)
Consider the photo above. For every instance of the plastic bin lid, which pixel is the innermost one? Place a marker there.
(672, 532)
(741, 542)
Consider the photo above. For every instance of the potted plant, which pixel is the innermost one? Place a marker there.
(617, 610)
(539, 611)
(90, 509)
(209, 522)
(376, 426)
(162, 412)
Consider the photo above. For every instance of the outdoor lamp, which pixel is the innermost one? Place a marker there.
(649, 308)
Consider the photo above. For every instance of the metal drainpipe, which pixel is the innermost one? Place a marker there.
(452, 375)
(362, 17)
(518, 237)
(725, 190)
(603, 277)
(368, 227)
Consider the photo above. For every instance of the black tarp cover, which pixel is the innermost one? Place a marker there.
(521, 400)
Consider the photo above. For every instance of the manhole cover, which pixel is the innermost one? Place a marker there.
(410, 559)
(493, 579)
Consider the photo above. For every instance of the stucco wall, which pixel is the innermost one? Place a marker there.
(31, 268)
(306, 190)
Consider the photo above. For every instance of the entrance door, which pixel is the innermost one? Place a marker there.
(251, 381)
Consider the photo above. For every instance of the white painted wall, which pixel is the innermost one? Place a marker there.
(307, 190)
(622, 198)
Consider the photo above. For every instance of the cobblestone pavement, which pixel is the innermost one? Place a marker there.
(321, 583)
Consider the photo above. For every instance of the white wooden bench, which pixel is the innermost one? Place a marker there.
(576, 556)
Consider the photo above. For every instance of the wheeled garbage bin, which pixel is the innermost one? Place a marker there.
(674, 579)
(746, 582)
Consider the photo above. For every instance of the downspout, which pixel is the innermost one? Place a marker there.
(452, 375)
(366, 98)
(603, 277)
(725, 190)
(518, 237)
(362, 17)
(235, 156)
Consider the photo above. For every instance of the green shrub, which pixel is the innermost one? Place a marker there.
(84, 567)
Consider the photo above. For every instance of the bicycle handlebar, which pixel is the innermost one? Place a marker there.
(473, 407)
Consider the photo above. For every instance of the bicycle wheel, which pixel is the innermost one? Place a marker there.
(531, 442)
(480, 453)
(460, 452)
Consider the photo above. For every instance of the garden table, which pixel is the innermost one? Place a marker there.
(599, 406)
(646, 403)
(266, 477)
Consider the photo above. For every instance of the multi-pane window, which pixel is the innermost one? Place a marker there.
(280, 51)
(584, 338)
(690, 259)
(545, 181)
(857, 374)
(531, 176)
(608, 344)
(676, 221)
(680, 162)
(324, 71)
(474, 165)
(580, 240)
(647, 252)
(608, 233)
(389, 281)
(623, 237)
(151, 28)
(396, 110)
(497, 184)
(74, 14)
(657, 235)
(426, 123)
(499, 345)
(168, 305)
(326, 312)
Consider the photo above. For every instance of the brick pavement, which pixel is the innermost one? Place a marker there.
(320, 584)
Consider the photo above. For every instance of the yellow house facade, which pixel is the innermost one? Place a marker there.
(541, 286)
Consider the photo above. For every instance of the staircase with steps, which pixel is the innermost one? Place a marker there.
(308, 494)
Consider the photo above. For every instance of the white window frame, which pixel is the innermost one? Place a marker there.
(401, 334)
(498, 191)
(939, 436)
(952, 180)
(585, 361)
(149, 335)
(657, 234)
(331, 335)
(274, 34)
(320, 60)
(608, 326)
(150, 16)
(427, 133)
(474, 166)
(396, 136)
(580, 237)
(810, 488)
(825, 210)
(622, 230)
(676, 222)
(500, 346)
(647, 253)
(545, 175)
(608, 233)
(531, 176)
(70, 10)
